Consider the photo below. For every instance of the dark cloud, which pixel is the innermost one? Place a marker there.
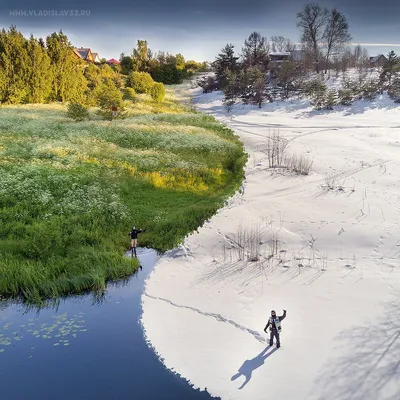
(198, 29)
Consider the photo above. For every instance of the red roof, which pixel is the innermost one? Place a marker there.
(112, 61)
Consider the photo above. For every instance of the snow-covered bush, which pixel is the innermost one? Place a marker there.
(394, 90)
(345, 97)
(315, 88)
(331, 99)
(370, 89)
(208, 84)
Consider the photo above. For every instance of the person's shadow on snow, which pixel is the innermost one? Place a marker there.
(249, 366)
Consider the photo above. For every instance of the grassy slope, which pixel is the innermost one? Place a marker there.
(70, 191)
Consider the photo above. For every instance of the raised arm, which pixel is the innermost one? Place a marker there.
(282, 316)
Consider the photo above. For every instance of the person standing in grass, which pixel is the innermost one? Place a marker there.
(274, 324)
(134, 234)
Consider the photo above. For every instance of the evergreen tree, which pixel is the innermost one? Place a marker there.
(258, 83)
(225, 62)
(126, 64)
(390, 68)
(255, 51)
(14, 66)
(39, 76)
(69, 82)
(331, 99)
(394, 92)
(231, 90)
(286, 75)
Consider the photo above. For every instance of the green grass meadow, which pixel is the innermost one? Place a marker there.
(71, 191)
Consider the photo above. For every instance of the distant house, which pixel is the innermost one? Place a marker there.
(279, 56)
(96, 57)
(377, 61)
(76, 54)
(297, 55)
(84, 53)
(112, 61)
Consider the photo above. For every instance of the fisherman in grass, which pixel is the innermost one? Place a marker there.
(274, 324)
(134, 234)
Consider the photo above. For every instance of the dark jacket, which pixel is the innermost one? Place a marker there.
(273, 325)
(134, 232)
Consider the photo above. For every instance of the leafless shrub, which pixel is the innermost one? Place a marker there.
(330, 182)
(299, 164)
(276, 149)
(278, 157)
(273, 244)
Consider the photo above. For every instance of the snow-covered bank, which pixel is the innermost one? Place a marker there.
(336, 266)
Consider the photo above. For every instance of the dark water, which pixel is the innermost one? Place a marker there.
(86, 350)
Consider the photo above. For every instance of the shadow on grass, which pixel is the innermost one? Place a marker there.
(370, 369)
(249, 366)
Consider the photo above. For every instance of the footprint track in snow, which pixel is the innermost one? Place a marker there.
(216, 316)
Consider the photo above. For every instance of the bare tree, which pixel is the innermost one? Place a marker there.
(312, 20)
(281, 44)
(336, 35)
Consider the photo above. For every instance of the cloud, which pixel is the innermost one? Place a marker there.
(376, 44)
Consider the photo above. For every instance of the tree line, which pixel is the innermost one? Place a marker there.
(275, 68)
(36, 70)
(163, 67)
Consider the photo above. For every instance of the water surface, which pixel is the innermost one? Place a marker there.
(86, 349)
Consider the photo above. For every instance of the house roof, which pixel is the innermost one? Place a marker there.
(280, 53)
(376, 58)
(76, 52)
(83, 52)
(112, 61)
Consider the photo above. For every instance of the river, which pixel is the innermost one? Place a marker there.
(86, 348)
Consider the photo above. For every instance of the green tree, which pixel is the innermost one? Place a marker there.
(255, 51)
(225, 62)
(13, 66)
(126, 63)
(141, 82)
(157, 92)
(390, 68)
(78, 112)
(258, 82)
(286, 74)
(40, 76)
(179, 61)
(69, 82)
(107, 100)
(231, 90)
(140, 56)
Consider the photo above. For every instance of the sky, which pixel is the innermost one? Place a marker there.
(197, 29)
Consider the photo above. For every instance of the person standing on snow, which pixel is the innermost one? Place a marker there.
(274, 324)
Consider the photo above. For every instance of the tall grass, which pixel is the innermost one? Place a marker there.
(70, 191)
